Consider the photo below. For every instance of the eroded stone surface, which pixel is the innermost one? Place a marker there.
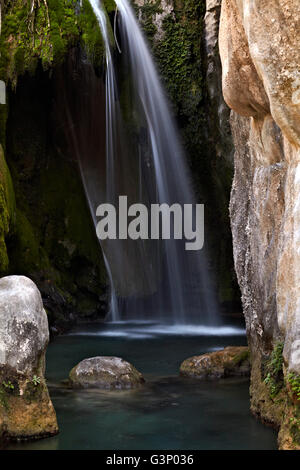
(105, 373)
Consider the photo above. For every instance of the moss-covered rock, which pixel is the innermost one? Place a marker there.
(43, 32)
(273, 400)
(232, 361)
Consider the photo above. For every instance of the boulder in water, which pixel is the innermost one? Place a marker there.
(26, 410)
(105, 373)
(232, 361)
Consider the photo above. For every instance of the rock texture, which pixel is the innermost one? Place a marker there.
(220, 133)
(105, 373)
(260, 53)
(232, 361)
(26, 410)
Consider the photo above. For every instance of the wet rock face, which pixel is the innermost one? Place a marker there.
(230, 362)
(260, 54)
(105, 373)
(26, 410)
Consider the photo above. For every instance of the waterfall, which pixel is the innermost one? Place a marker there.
(111, 138)
(155, 279)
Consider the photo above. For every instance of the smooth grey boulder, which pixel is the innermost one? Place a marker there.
(26, 410)
(105, 373)
(24, 332)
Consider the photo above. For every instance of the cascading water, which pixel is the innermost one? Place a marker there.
(145, 161)
(112, 114)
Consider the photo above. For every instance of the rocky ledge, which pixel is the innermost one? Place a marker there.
(229, 362)
(105, 373)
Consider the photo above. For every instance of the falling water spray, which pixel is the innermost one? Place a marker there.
(145, 162)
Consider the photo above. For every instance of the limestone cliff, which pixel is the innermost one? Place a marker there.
(260, 53)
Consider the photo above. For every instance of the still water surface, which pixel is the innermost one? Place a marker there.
(169, 412)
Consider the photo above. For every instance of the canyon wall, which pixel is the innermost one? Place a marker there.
(260, 53)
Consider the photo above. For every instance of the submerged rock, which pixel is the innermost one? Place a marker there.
(105, 373)
(26, 410)
(230, 362)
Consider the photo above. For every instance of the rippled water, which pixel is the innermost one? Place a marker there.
(169, 412)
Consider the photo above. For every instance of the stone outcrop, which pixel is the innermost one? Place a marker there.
(26, 411)
(233, 361)
(105, 373)
(260, 53)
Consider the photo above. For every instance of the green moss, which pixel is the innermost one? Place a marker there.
(70, 230)
(45, 35)
(148, 10)
(6, 180)
(273, 370)
(34, 391)
(109, 5)
(91, 36)
(8, 387)
(293, 381)
(27, 256)
(178, 54)
(239, 359)
(7, 202)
